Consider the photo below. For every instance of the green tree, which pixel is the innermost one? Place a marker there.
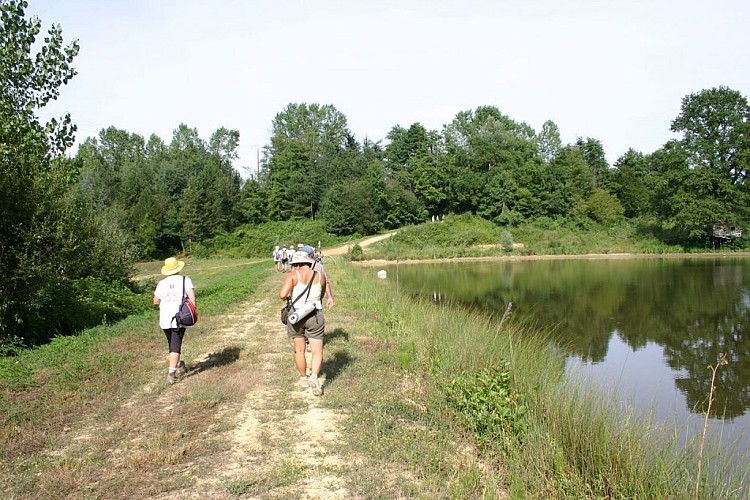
(406, 144)
(704, 174)
(592, 152)
(494, 157)
(253, 201)
(288, 183)
(716, 131)
(548, 141)
(568, 184)
(694, 201)
(306, 141)
(29, 82)
(50, 237)
(604, 207)
(349, 209)
(629, 183)
(413, 159)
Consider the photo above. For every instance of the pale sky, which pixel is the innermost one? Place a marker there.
(612, 70)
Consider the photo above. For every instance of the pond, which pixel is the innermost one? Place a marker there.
(646, 329)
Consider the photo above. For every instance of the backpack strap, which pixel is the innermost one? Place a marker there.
(182, 302)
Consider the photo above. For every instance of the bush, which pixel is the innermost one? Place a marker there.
(82, 304)
(254, 241)
(506, 240)
(492, 411)
(509, 218)
(454, 230)
(604, 208)
(356, 253)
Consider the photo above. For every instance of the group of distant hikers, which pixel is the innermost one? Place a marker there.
(282, 255)
(304, 287)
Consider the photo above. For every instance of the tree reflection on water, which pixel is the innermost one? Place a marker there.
(693, 308)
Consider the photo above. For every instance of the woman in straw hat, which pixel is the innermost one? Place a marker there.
(168, 296)
(312, 327)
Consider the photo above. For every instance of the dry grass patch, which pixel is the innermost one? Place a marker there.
(166, 447)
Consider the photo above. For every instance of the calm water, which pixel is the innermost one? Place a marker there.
(644, 329)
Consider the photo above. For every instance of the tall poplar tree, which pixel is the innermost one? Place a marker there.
(301, 158)
(49, 237)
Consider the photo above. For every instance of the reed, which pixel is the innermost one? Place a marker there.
(721, 362)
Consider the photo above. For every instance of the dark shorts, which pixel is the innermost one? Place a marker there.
(174, 339)
(312, 327)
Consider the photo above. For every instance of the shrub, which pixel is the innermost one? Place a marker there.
(492, 411)
(82, 304)
(604, 208)
(506, 240)
(253, 241)
(356, 253)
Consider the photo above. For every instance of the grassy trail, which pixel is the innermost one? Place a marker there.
(100, 422)
(282, 439)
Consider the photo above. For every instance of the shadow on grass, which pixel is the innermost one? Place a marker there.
(334, 365)
(224, 357)
(338, 332)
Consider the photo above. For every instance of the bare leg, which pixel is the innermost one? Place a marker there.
(299, 355)
(316, 346)
(174, 358)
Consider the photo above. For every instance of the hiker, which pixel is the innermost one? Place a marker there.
(318, 266)
(277, 258)
(168, 296)
(310, 328)
(284, 259)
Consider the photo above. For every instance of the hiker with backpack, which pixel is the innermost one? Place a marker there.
(169, 295)
(305, 287)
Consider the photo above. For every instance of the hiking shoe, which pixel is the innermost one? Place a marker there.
(181, 369)
(314, 383)
(171, 378)
(303, 382)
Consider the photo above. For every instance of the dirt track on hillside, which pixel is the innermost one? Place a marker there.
(344, 249)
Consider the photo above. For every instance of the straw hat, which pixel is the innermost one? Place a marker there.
(301, 258)
(172, 266)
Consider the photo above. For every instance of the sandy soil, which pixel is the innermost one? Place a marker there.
(344, 249)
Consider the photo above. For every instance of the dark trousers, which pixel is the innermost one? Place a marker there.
(174, 338)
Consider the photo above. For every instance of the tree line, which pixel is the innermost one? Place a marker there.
(168, 196)
(70, 225)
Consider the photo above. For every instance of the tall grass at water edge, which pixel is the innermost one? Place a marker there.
(559, 438)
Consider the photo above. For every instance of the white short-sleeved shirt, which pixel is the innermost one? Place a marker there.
(169, 292)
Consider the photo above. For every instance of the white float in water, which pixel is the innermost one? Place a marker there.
(382, 274)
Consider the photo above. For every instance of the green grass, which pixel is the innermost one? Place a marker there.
(435, 402)
(470, 236)
(258, 240)
(46, 389)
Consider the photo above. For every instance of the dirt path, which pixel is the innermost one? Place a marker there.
(344, 249)
(280, 431)
(237, 425)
